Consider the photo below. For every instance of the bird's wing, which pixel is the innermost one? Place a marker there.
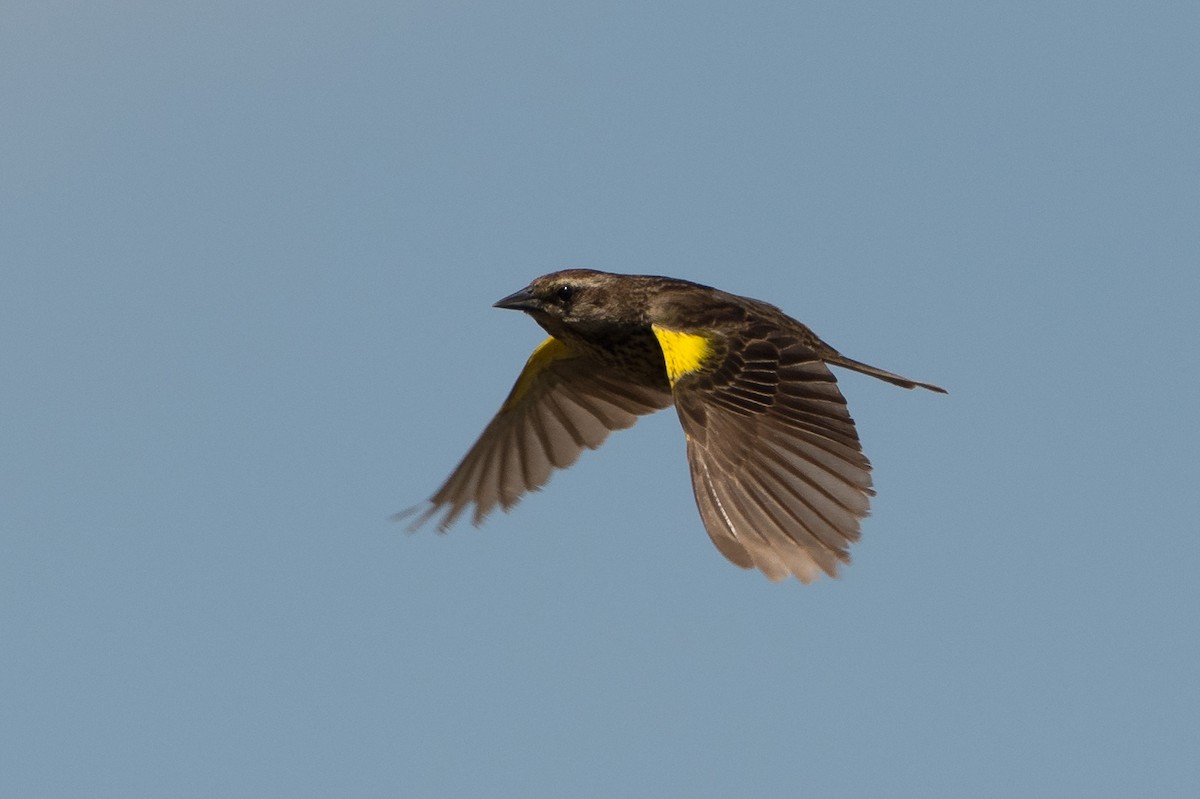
(779, 475)
(559, 405)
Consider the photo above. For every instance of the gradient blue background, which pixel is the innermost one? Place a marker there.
(248, 254)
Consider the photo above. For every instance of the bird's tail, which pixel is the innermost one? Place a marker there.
(895, 379)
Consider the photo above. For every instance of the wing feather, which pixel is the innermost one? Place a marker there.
(560, 405)
(719, 508)
(778, 471)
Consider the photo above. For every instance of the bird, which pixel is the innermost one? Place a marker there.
(778, 472)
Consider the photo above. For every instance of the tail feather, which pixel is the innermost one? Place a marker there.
(891, 377)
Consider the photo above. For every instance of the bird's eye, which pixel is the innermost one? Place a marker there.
(565, 293)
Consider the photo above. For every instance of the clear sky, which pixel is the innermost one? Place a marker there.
(248, 255)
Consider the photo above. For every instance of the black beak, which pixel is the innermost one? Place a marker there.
(522, 300)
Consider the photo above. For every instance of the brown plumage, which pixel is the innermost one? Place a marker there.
(779, 475)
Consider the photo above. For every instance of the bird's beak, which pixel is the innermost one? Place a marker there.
(522, 300)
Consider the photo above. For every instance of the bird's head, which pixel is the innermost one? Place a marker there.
(580, 300)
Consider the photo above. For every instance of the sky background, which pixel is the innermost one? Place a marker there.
(248, 253)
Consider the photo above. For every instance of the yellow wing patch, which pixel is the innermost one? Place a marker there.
(547, 352)
(684, 352)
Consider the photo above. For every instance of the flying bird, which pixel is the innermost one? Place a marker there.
(778, 472)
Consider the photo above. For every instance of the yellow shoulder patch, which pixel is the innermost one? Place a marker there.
(547, 352)
(684, 352)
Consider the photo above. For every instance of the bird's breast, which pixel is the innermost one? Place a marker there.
(637, 356)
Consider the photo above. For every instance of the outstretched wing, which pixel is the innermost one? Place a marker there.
(778, 472)
(560, 404)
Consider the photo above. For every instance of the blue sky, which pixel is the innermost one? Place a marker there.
(249, 254)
